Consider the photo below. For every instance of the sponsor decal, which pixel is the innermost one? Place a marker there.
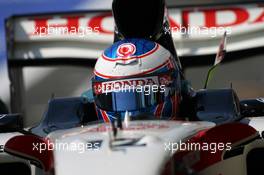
(126, 50)
(240, 16)
(130, 84)
(131, 127)
(110, 86)
(186, 25)
(105, 128)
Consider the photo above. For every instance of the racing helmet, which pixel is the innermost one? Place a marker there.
(138, 77)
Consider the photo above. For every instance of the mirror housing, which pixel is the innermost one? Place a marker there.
(35, 149)
(10, 122)
(65, 113)
(252, 107)
(217, 105)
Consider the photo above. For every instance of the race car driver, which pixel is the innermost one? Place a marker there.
(139, 77)
(129, 62)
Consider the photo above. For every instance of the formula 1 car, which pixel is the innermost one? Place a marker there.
(214, 136)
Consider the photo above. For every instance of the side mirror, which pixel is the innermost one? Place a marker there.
(252, 107)
(33, 148)
(217, 105)
(10, 122)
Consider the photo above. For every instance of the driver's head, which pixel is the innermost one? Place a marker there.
(136, 76)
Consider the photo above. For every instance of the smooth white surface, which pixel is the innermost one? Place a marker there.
(130, 160)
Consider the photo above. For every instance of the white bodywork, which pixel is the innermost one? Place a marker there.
(148, 156)
(93, 149)
(255, 122)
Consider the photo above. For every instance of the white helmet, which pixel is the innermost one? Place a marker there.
(137, 76)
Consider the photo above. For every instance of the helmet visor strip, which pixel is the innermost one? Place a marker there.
(133, 93)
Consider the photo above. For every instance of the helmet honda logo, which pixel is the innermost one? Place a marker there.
(126, 50)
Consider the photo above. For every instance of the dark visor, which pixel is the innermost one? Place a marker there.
(131, 94)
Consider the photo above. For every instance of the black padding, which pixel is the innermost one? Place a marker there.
(138, 18)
